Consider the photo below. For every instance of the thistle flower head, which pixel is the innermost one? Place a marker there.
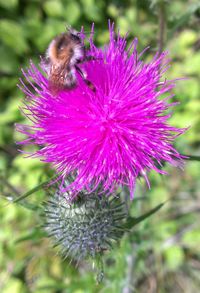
(85, 228)
(110, 136)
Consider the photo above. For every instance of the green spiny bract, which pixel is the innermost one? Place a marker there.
(87, 227)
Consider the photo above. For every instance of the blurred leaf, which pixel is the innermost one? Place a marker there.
(53, 8)
(32, 164)
(192, 64)
(3, 162)
(34, 235)
(174, 257)
(6, 135)
(166, 229)
(184, 18)
(48, 30)
(131, 15)
(182, 48)
(52, 286)
(94, 9)
(13, 286)
(131, 221)
(12, 35)
(123, 24)
(9, 215)
(13, 112)
(192, 239)
(8, 61)
(72, 13)
(113, 11)
(9, 4)
(33, 12)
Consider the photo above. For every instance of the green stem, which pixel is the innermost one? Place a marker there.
(100, 268)
(162, 26)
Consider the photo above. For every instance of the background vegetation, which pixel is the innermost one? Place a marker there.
(161, 254)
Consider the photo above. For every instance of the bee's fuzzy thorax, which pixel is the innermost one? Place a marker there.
(78, 54)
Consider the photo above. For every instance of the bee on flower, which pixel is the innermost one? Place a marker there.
(108, 136)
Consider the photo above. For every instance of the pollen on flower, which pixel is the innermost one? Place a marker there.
(110, 136)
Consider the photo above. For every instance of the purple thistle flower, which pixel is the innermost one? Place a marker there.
(113, 135)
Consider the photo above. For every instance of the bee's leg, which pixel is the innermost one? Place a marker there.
(86, 59)
(83, 75)
(90, 58)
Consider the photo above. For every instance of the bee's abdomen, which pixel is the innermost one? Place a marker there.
(61, 78)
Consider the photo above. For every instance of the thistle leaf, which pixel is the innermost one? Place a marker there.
(33, 190)
(132, 221)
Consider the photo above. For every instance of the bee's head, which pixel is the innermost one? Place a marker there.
(74, 34)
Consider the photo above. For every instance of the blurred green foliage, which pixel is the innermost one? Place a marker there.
(162, 254)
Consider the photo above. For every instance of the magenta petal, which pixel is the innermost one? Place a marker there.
(109, 137)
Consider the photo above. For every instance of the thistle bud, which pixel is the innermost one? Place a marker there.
(86, 227)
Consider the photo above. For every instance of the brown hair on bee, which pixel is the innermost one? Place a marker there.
(63, 55)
